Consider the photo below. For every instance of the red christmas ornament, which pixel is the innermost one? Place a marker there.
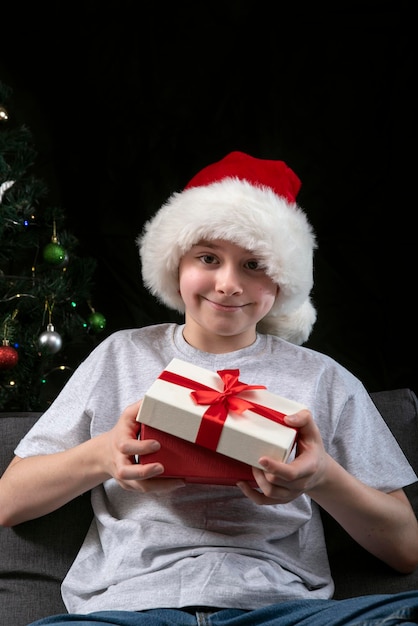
(8, 356)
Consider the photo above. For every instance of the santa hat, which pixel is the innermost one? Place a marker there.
(250, 202)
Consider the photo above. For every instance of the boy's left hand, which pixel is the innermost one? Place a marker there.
(281, 482)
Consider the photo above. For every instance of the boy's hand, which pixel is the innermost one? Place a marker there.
(280, 482)
(123, 450)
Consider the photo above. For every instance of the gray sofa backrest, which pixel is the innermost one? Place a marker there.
(355, 571)
(35, 556)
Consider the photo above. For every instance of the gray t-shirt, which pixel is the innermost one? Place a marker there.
(202, 544)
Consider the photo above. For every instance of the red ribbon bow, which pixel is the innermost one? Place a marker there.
(220, 403)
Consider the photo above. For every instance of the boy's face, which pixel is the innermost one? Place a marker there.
(226, 292)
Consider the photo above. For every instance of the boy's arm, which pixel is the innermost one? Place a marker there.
(383, 523)
(37, 485)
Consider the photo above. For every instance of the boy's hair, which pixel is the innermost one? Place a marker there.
(252, 203)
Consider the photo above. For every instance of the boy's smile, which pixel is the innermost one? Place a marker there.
(226, 292)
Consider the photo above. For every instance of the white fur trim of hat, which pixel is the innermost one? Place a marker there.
(252, 203)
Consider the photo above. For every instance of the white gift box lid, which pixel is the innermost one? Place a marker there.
(246, 437)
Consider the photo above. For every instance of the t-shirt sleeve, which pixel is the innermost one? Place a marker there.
(364, 445)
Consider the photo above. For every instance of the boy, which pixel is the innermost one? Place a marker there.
(233, 252)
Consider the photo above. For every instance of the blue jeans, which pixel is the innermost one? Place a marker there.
(374, 610)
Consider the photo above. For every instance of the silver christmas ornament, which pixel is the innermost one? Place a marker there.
(50, 341)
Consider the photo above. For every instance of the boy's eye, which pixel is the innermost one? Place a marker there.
(254, 265)
(207, 258)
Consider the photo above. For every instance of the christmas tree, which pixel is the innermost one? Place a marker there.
(47, 320)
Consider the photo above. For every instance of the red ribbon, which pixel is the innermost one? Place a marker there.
(220, 403)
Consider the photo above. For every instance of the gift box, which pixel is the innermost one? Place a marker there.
(193, 463)
(217, 411)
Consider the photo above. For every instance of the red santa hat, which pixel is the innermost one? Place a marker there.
(252, 203)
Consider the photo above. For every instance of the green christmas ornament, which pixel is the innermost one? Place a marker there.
(97, 322)
(54, 254)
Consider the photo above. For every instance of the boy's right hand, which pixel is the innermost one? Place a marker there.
(124, 448)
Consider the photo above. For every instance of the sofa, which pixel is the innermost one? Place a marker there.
(35, 555)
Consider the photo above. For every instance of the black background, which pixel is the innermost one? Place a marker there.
(128, 100)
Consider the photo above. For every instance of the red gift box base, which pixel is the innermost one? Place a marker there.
(194, 463)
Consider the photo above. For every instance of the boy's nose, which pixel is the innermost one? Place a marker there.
(228, 281)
